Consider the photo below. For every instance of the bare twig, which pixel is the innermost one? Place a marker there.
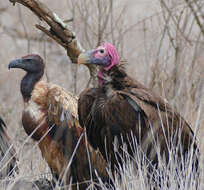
(174, 21)
(24, 28)
(198, 21)
(45, 58)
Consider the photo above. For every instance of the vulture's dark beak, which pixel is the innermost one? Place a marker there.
(17, 63)
(85, 57)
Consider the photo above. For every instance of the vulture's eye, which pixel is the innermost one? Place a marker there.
(102, 51)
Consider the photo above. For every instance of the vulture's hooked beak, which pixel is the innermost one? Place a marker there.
(85, 57)
(17, 63)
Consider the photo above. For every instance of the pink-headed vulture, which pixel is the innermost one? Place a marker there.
(122, 115)
(50, 117)
(8, 158)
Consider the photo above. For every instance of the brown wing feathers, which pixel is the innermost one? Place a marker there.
(72, 138)
(58, 145)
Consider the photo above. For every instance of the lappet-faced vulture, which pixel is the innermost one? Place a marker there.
(50, 117)
(123, 111)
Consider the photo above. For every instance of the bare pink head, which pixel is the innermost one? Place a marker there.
(112, 52)
(105, 56)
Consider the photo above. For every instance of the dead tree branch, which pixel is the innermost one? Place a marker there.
(59, 31)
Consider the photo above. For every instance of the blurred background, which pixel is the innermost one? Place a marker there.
(161, 41)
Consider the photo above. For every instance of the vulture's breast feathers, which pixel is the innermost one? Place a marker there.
(35, 110)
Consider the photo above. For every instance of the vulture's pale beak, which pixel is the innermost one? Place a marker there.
(85, 57)
(17, 63)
